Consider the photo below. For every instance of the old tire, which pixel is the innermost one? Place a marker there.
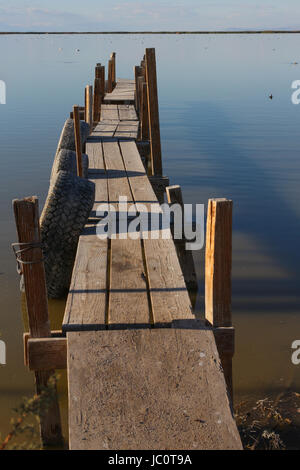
(67, 137)
(65, 160)
(66, 211)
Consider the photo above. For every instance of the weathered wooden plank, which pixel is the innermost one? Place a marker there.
(148, 389)
(97, 174)
(95, 154)
(139, 182)
(116, 175)
(123, 92)
(117, 129)
(127, 112)
(128, 301)
(127, 129)
(105, 129)
(109, 112)
(45, 353)
(86, 302)
(169, 296)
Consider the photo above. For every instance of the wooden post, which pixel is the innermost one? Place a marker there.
(140, 82)
(113, 59)
(174, 196)
(218, 262)
(154, 131)
(27, 221)
(97, 100)
(89, 105)
(218, 278)
(102, 81)
(77, 139)
(98, 71)
(144, 114)
(137, 74)
(110, 76)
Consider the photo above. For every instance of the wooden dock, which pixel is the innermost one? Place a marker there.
(143, 372)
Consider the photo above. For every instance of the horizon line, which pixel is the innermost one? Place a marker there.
(242, 31)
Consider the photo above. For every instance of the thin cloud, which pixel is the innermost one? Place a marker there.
(148, 15)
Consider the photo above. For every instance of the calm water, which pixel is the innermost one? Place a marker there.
(222, 137)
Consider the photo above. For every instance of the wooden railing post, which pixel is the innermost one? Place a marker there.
(140, 94)
(113, 72)
(137, 74)
(27, 221)
(144, 114)
(218, 281)
(77, 139)
(154, 130)
(110, 76)
(98, 70)
(89, 105)
(102, 82)
(97, 100)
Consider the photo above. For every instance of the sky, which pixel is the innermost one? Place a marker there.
(154, 15)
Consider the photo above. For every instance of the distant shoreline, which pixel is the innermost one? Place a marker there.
(154, 32)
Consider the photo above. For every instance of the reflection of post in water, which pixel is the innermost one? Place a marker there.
(30, 257)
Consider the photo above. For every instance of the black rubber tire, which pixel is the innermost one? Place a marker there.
(65, 160)
(66, 211)
(67, 137)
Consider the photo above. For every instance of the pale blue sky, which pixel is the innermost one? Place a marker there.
(91, 15)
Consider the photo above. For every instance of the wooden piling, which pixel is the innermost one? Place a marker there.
(77, 139)
(110, 76)
(97, 100)
(102, 82)
(154, 130)
(27, 221)
(144, 114)
(89, 105)
(218, 280)
(137, 74)
(218, 262)
(140, 82)
(113, 72)
(174, 196)
(98, 71)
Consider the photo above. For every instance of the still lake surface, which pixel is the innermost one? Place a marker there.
(221, 136)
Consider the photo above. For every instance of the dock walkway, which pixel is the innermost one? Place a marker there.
(143, 373)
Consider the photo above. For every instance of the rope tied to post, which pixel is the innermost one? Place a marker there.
(23, 248)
